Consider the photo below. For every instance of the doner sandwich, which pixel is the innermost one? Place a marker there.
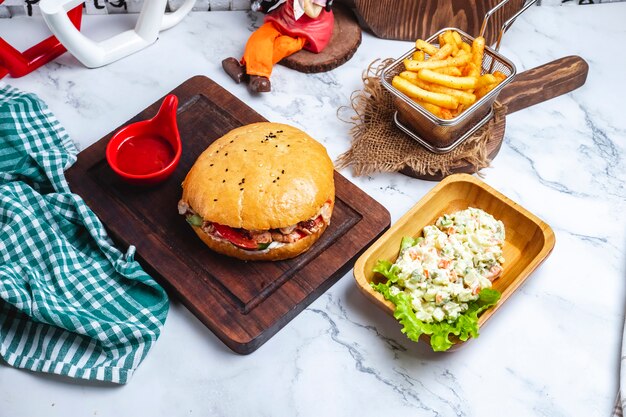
(264, 191)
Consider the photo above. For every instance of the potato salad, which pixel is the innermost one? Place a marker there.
(446, 269)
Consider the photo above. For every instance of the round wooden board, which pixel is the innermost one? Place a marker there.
(493, 147)
(343, 44)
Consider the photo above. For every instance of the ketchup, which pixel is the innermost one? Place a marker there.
(144, 154)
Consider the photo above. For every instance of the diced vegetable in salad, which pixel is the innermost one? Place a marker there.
(441, 281)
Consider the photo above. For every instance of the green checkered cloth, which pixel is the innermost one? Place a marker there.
(70, 302)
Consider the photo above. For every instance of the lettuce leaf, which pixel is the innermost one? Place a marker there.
(407, 242)
(387, 269)
(464, 327)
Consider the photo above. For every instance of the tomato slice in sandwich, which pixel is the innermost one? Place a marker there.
(235, 237)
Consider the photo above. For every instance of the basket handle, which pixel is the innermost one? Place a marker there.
(544, 82)
(488, 15)
(509, 22)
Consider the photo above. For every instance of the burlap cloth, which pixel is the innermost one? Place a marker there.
(379, 146)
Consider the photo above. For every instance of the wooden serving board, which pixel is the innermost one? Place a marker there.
(243, 303)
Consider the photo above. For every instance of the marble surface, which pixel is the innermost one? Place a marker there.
(552, 350)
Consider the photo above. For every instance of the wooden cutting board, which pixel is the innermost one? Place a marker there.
(243, 303)
(412, 19)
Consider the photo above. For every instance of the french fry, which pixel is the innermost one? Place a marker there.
(449, 39)
(443, 52)
(410, 76)
(459, 110)
(457, 38)
(422, 45)
(483, 91)
(419, 56)
(449, 62)
(478, 50)
(499, 76)
(442, 40)
(449, 71)
(433, 108)
(446, 114)
(486, 79)
(450, 79)
(471, 70)
(413, 91)
(461, 52)
(458, 52)
(462, 96)
(459, 83)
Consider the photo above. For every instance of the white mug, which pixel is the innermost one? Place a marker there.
(152, 19)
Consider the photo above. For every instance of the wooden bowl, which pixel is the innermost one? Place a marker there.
(528, 240)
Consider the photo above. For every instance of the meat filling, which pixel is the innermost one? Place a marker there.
(263, 238)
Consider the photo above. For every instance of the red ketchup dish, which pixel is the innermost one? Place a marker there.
(147, 152)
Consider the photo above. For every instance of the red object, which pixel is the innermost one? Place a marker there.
(147, 152)
(18, 64)
(235, 237)
(144, 154)
(316, 31)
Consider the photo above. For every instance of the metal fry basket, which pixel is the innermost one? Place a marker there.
(443, 135)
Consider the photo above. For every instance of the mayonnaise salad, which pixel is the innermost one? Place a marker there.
(445, 269)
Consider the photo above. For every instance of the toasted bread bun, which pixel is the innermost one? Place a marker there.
(259, 177)
(286, 251)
